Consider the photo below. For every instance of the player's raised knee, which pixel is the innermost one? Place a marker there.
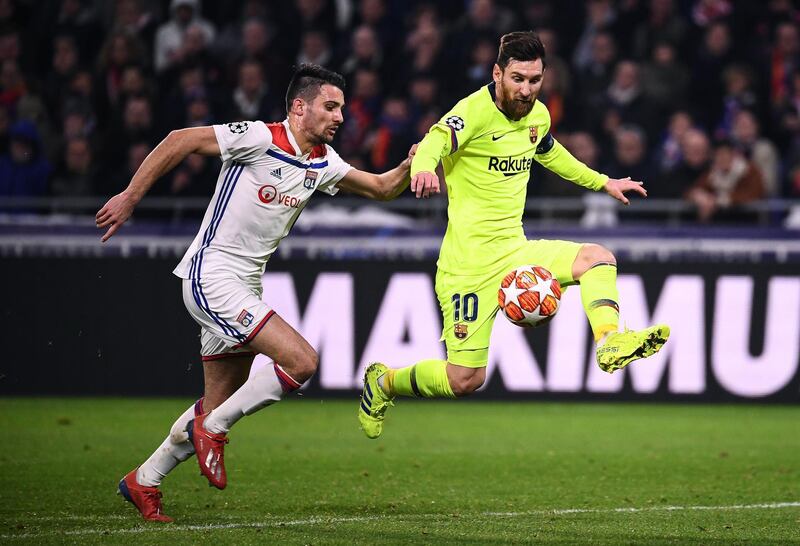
(590, 255)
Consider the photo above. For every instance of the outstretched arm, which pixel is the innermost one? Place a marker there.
(169, 153)
(551, 154)
(381, 187)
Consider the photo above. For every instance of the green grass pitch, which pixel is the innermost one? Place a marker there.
(301, 472)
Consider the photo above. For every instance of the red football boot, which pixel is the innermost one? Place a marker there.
(146, 499)
(210, 450)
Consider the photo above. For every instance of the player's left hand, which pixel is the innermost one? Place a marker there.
(616, 188)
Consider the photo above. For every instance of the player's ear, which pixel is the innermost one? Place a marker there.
(298, 106)
(497, 73)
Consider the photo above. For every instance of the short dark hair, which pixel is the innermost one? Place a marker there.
(520, 46)
(307, 81)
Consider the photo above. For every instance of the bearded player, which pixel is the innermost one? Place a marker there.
(486, 145)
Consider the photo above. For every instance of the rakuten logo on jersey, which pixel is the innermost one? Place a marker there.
(268, 193)
(510, 166)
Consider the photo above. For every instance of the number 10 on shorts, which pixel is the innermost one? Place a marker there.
(466, 305)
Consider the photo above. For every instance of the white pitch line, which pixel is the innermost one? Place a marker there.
(360, 519)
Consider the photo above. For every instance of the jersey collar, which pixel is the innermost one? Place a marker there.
(291, 138)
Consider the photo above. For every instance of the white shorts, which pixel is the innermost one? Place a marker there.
(230, 314)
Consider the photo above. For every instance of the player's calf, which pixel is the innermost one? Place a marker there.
(465, 381)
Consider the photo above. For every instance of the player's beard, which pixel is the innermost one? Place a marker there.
(517, 109)
(325, 137)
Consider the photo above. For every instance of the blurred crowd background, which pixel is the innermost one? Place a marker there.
(699, 98)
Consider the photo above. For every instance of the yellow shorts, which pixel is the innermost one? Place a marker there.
(469, 302)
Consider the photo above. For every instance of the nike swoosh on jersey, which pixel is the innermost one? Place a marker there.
(498, 137)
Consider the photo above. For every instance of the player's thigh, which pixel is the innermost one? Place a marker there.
(554, 255)
(285, 346)
(469, 307)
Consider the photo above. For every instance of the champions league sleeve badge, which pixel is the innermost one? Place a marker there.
(238, 127)
(310, 180)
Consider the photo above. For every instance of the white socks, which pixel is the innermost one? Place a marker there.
(175, 449)
(263, 389)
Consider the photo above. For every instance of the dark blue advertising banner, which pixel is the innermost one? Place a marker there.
(87, 326)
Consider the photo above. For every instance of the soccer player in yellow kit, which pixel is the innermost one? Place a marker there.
(487, 144)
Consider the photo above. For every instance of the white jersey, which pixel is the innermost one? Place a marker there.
(261, 190)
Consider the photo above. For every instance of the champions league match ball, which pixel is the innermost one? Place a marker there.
(529, 296)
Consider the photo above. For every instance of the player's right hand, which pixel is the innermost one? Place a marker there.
(425, 183)
(115, 213)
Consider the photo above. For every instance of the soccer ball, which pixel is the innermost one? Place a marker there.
(529, 296)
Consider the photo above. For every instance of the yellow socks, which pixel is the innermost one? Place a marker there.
(599, 296)
(427, 378)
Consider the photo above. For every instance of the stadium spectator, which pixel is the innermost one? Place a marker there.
(664, 24)
(131, 17)
(706, 12)
(169, 48)
(393, 137)
(136, 124)
(119, 51)
(784, 60)
(484, 18)
(630, 155)
(77, 175)
(594, 78)
(710, 60)
(24, 171)
(739, 95)
(375, 15)
(669, 153)
(746, 136)
(665, 80)
(196, 176)
(253, 39)
(365, 52)
(626, 98)
(64, 64)
(730, 181)
(253, 98)
(363, 110)
(315, 48)
(600, 18)
(695, 155)
(479, 68)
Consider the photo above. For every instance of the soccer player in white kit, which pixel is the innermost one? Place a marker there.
(268, 174)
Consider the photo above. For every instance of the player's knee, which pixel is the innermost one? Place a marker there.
(590, 255)
(594, 253)
(463, 386)
(307, 365)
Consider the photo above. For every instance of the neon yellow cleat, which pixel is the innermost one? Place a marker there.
(374, 402)
(622, 348)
